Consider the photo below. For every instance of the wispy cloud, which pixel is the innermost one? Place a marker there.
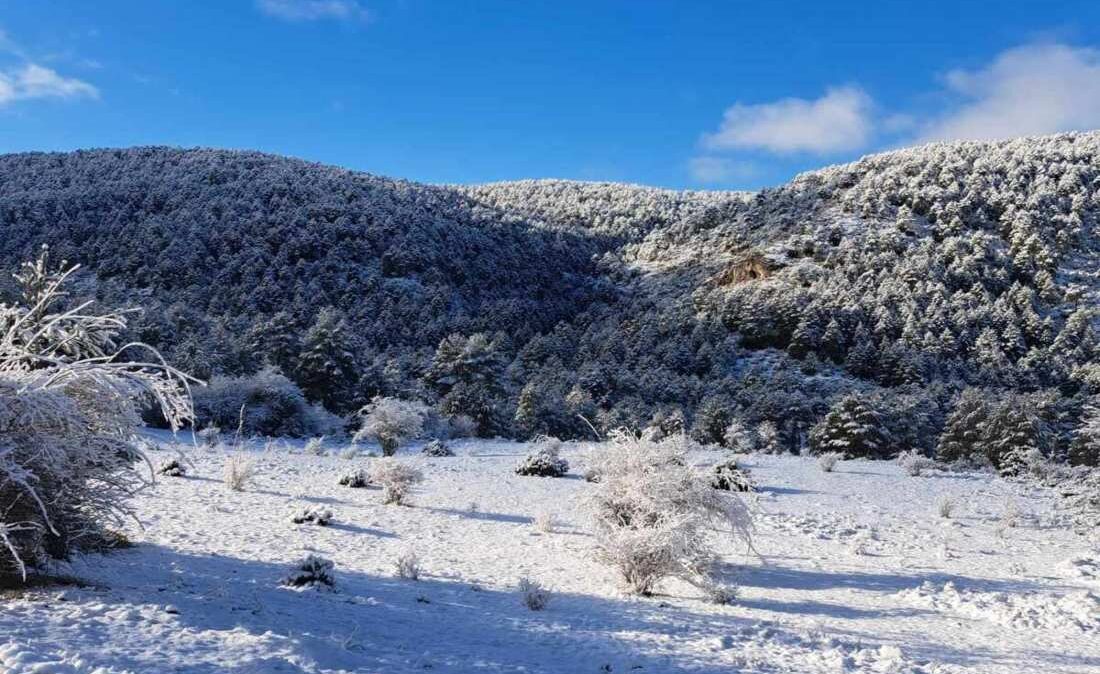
(1028, 90)
(31, 81)
(842, 119)
(313, 10)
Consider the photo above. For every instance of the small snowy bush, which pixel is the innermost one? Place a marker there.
(728, 476)
(397, 479)
(719, 593)
(407, 566)
(390, 422)
(653, 512)
(312, 571)
(738, 438)
(172, 468)
(544, 521)
(355, 480)
(266, 403)
(437, 448)
(543, 462)
(210, 437)
(461, 426)
(534, 595)
(1080, 495)
(315, 446)
(767, 438)
(321, 517)
(828, 461)
(945, 507)
(239, 470)
(914, 463)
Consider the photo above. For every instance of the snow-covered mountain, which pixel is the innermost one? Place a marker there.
(905, 276)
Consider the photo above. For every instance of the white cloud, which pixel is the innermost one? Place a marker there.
(313, 10)
(708, 169)
(1028, 90)
(31, 81)
(840, 120)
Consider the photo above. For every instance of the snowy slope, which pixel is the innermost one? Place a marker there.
(859, 574)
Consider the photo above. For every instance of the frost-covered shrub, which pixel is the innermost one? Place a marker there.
(719, 593)
(945, 507)
(545, 522)
(767, 438)
(738, 438)
(266, 403)
(1080, 496)
(653, 512)
(461, 426)
(407, 566)
(728, 476)
(238, 471)
(397, 479)
(914, 463)
(355, 480)
(172, 468)
(69, 420)
(437, 448)
(321, 517)
(315, 446)
(210, 437)
(544, 462)
(535, 597)
(312, 571)
(390, 421)
(827, 461)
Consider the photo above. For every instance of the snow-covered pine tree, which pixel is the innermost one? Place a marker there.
(468, 373)
(1012, 438)
(1084, 450)
(853, 427)
(962, 434)
(326, 368)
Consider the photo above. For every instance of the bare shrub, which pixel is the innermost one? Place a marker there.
(390, 422)
(239, 470)
(535, 597)
(315, 446)
(945, 507)
(397, 479)
(653, 512)
(544, 521)
(210, 437)
(312, 571)
(407, 566)
(914, 463)
(827, 461)
(321, 517)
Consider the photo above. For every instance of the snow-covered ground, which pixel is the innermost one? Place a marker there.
(859, 574)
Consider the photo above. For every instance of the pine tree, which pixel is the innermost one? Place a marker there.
(807, 335)
(468, 374)
(854, 427)
(326, 369)
(862, 360)
(1084, 450)
(1012, 436)
(961, 437)
(276, 341)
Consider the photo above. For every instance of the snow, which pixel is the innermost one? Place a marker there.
(859, 574)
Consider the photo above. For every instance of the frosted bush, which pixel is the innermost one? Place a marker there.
(321, 517)
(828, 461)
(914, 463)
(397, 479)
(390, 422)
(767, 438)
(543, 462)
(315, 446)
(544, 521)
(437, 448)
(69, 420)
(653, 513)
(738, 438)
(728, 476)
(210, 437)
(312, 571)
(407, 566)
(172, 468)
(355, 480)
(719, 593)
(535, 597)
(945, 507)
(239, 471)
(266, 403)
(462, 426)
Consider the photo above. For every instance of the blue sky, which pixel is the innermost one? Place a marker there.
(678, 94)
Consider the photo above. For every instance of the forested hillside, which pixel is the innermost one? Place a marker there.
(850, 308)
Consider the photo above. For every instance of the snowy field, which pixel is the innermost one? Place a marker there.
(859, 573)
